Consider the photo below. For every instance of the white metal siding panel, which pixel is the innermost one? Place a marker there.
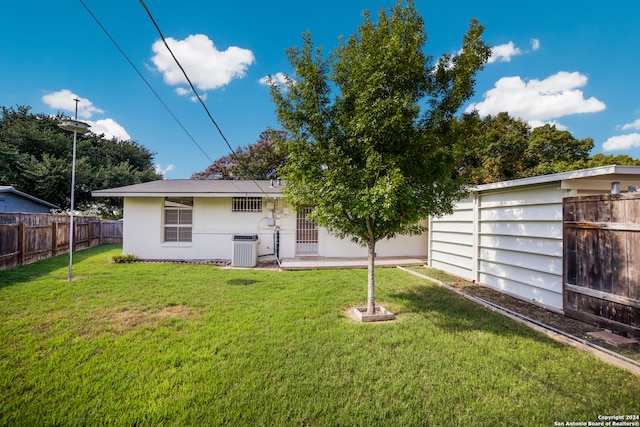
(451, 240)
(520, 242)
(457, 270)
(452, 259)
(461, 214)
(455, 227)
(547, 212)
(510, 274)
(528, 196)
(524, 244)
(453, 248)
(524, 291)
(511, 241)
(539, 229)
(540, 263)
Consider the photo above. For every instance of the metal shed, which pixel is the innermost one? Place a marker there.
(509, 235)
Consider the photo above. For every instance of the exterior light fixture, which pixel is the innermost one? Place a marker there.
(76, 127)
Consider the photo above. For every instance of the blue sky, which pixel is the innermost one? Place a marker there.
(566, 62)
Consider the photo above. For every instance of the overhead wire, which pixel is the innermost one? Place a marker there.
(155, 24)
(158, 96)
(185, 74)
(145, 81)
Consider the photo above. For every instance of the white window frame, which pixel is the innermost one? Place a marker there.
(177, 214)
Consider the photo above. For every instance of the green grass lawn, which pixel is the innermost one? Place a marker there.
(162, 344)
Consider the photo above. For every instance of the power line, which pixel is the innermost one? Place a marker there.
(185, 75)
(194, 89)
(158, 96)
(145, 80)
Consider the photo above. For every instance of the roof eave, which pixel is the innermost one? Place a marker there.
(561, 176)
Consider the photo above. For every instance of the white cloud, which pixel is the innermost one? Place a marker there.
(65, 100)
(158, 168)
(186, 92)
(634, 125)
(556, 96)
(622, 142)
(504, 52)
(279, 79)
(535, 44)
(207, 67)
(110, 128)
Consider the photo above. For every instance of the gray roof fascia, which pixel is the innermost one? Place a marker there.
(195, 188)
(559, 177)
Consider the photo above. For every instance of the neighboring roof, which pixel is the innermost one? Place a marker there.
(600, 177)
(196, 188)
(10, 189)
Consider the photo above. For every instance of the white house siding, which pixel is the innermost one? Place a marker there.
(411, 246)
(213, 228)
(508, 239)
(142, 226)
(214, 225)
(331, 246)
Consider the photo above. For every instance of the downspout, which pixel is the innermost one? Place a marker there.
(276, 244)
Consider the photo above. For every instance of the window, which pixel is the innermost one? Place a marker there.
(246, 204)
(178, 219)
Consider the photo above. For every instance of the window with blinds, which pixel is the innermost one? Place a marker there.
(246, 204)
(178, 219)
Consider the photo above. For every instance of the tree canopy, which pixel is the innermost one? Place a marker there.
(261, 160)
(501, 148)
(371, 128)
(35, 157)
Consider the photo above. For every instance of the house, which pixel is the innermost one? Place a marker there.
(509, 235)
(12, 200)
(222, 219)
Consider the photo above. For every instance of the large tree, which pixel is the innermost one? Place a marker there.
(370, 129)
(261, 160)
(501, 148)
(35, 157)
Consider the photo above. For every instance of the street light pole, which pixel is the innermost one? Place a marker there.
(75, 126)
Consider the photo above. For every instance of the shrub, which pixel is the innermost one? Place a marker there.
(124, 259)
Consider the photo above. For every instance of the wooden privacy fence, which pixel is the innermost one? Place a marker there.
(26, 238)
(602, 260)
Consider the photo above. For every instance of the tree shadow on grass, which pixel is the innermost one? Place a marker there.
(241, 282)
(453, 313)
(28, 272)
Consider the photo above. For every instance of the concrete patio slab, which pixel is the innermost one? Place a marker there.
(318, 263)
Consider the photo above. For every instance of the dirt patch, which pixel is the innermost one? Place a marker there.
(120, 322)
(349, 314)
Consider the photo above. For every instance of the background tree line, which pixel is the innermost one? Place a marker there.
(490, 149)
(501, 148)
(36, 155)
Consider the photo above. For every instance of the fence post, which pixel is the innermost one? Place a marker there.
(22, 243)
(54, 237)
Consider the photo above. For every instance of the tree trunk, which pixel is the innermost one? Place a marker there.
(371, 298)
